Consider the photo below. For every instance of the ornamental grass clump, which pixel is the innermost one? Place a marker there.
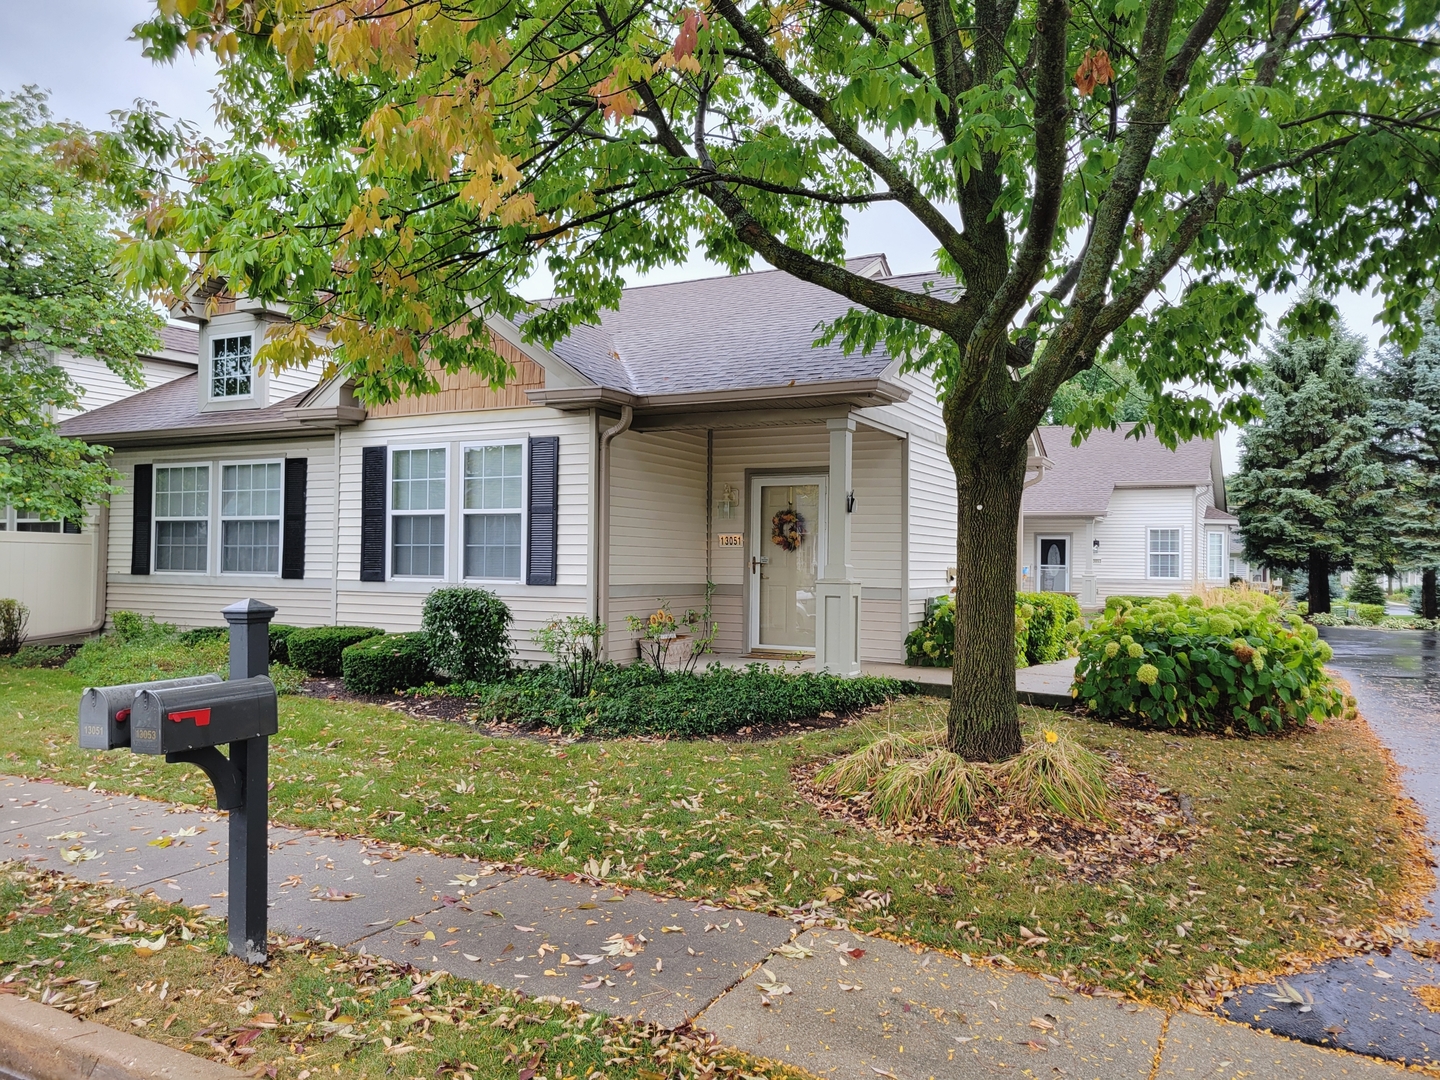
(912, 779)
(1238, 666)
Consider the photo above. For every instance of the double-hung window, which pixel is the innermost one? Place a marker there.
(493, 493)
(182, 518)
(1164, 553)
(230, 368)
(30, 521)
(250, 499)
(1215, 555)
(417, 519)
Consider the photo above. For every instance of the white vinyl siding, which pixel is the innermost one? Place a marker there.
(182, 519)
(1164, 553)
(494, 499)
(417, 512)
(103, 387)
(250, 500)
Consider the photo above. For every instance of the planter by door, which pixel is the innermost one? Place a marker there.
(1054, 564)
(783, 574)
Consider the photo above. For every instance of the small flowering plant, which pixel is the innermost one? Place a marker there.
(1172, 662)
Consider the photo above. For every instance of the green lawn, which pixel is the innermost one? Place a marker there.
(314, 1011)
(1300, 840)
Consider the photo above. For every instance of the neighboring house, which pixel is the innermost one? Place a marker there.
(50, 566)
(1242, 570)
(694, 435)
(1117, 515)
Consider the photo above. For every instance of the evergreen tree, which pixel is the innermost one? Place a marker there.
(1406, 413)
(1310, 489)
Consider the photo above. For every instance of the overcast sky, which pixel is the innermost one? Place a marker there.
(79, 50)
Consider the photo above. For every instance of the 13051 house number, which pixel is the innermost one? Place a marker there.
(731, 539)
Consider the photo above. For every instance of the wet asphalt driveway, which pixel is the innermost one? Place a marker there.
(1366, 1004)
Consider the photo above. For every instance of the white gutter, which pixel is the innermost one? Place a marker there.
(602, 514)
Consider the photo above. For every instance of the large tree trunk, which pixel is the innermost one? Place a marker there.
(984, 722)
(1319, 583)
(1427, 594)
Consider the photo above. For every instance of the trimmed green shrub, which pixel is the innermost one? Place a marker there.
(280, 642)
(638, 700)
(389, 662)
(201, 634)
(1369, 614)
(1175, 663)
(317, 649)
(469, 634)
(131, 626)
(1053, 626)
(1365, 590)
(932, 643)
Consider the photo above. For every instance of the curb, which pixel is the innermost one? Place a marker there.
(41, 1043)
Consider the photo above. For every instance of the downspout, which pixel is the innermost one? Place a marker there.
(1020, 533)
(602, 514)
(102, 568)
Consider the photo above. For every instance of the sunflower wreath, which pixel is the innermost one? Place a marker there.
(787, 529)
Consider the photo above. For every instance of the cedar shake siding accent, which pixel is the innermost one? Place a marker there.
(465, 391)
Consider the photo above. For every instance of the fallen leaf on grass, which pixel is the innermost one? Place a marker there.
(150, 948)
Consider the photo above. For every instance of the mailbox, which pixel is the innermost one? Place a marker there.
(167, 720)
(105, 710)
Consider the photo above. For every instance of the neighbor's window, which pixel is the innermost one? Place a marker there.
(30, 521)
(1215, 555)
(492, 511)
(1164, 553)
(250, 497)
(230, 366)
(417, 520)
(182, 518)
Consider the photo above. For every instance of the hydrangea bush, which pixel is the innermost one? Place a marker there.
(1047, 625)
(1172, 662)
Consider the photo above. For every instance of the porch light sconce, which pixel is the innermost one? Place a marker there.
(850, 503)
(1094, 545)
(726, 504)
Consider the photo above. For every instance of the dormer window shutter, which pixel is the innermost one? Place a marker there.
(541, 561)
(292, 529)
(372, 513)
(144, 492)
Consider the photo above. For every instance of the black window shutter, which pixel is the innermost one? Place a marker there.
(140, 529)
(541, 561)
(372, 513)
(292, 530)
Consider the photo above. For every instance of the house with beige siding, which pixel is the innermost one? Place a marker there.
(1117, 515)
(696, 434)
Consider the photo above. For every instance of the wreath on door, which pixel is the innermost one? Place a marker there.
(787, 529)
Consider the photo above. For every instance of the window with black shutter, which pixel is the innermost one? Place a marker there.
(541, 564)
(292, 541)
(143, 493)
(372, 513)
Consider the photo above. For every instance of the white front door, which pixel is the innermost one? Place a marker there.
(787, 552)
(1054, 564)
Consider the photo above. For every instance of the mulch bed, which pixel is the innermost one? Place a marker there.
(438, 707)
(1146, 826)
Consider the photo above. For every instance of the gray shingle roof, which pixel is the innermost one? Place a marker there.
(722, 333)
(171, 406)
(180, 339)
(1085, 476)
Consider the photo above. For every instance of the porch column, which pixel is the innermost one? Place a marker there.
(837, 623)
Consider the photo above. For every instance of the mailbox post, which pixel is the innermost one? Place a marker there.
(187, 720)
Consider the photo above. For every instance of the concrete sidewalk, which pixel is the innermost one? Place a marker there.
(838, 1004)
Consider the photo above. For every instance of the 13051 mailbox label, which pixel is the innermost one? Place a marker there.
(105, 710)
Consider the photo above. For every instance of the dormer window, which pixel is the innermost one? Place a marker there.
(230, 375)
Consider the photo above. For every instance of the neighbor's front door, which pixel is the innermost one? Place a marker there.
(1054, 564)
(787, 546)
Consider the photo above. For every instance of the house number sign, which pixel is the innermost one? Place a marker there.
(731, 539)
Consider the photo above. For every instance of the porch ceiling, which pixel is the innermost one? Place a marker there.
(667, 410)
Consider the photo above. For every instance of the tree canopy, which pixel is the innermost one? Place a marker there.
(1113, 181)
(1310, 493)
(58, 292)
(1406, 411)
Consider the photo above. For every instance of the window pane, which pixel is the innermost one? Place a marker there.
(230, 366)
(492, 546)
(181, 545)
(419, 549)
(250, 490)
(250, 547)
(418, 480)
(492, 477)
(183, 492)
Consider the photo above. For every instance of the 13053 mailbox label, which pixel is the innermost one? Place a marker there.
(105, 710)
(185, 718)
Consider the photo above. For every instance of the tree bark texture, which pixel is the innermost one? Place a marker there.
(1319, 583)
(1428, 600)
(984, 721)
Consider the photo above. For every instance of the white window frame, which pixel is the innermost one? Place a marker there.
(209, 517)
(391, 513)
(1211, 536)
(220, 518)
(210, 369)
(464, 512)
(1179, 553)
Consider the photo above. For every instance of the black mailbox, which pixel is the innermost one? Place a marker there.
(105, 710)
(167, 720)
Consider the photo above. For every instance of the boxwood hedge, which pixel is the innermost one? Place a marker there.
(386, 663)
(317, 649)
(1238, 667)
